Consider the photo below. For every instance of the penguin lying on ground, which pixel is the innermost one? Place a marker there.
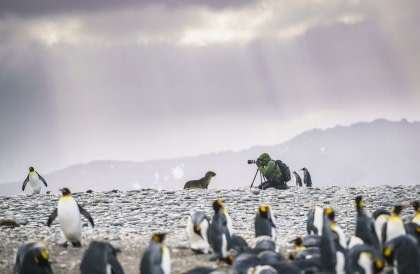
(402, 252)
(68, 212)
(219, 231)
(365, 229)
(197, 229)
(264, 222)
(32, 258)
(156, 258)
(100, 258)
(34, 180)
(365, 259)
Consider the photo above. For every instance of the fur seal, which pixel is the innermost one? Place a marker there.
(202, 183)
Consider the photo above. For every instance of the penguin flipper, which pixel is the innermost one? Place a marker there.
(52, 217)
(42, 179)
(86, 214)
(115, 265)
(25, 182)
(384, 232)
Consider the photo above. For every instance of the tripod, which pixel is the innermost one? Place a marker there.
(256, 177)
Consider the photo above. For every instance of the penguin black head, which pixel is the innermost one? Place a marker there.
(359, 202)
(217, 204)
(31, 169)
(65, 191)
(298, 241)
(416, 205)
(330, 213)
(158, 237)
(389, 255)
(228, 260)
(40, 255)
(397, 209)
(378, 212)
(292, 255)
(197, 230)
(263, 212)
(378, 266)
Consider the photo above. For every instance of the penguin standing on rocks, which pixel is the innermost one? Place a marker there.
(365, 229)
(197, 228)
(315, 221)
(381, 217)
(32, 258)
(298, 180)
(341, 251)
(100, 258)
(264, 222)
(402, 253)
(413, 227)
(306, 177)
(219, 231)
(394, 227)
(156, 258)
(327, 247)
(34, 180)
(68, 212)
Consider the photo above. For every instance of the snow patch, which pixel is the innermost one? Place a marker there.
(177, 172)
(136, 186)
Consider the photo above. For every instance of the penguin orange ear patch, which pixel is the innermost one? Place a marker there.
(388, 252)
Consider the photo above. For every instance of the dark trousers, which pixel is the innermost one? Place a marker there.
(274, 182)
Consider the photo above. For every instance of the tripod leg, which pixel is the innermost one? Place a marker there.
(254, 178)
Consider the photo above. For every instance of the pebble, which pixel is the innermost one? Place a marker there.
(131, 217)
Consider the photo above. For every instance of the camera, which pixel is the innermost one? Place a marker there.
(251, 162)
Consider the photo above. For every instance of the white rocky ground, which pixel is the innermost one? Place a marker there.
(127, 219)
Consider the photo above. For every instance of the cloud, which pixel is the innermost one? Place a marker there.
(189, 25)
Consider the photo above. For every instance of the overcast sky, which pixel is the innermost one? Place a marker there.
(94, 80)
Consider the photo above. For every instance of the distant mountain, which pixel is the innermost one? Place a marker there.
(363, 154)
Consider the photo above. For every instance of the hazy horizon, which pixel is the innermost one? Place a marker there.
(145, 79)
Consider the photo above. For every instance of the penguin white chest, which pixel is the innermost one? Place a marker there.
(34, 182)
(197, 242)
(166, 260)
(69, 219)
(395, 228)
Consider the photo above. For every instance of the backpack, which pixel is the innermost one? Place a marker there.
(285, 170)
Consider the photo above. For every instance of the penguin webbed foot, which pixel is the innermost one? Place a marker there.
(76, 244)
(65, 244)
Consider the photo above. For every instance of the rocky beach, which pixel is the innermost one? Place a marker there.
(128, 219)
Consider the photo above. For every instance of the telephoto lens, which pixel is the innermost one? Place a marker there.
(251, 162)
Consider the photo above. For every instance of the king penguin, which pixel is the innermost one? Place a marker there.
(264, 222)
(365, 259)
(219, 231)
(315, 221)
(197, 227)
(298, 180)
(68, 212)
(394, 227)
(403, 250)
(156, 258)
(416, 217)
(381, 217)
(34, 180)
(365, 229)
(307, 177)
(100, 258)
(32, 258)
(341, 251)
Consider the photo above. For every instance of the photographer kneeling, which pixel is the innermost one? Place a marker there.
(271, 172)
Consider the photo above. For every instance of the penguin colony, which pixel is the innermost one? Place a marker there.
(325, 248)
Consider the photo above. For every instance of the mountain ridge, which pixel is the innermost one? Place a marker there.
(364, 153)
